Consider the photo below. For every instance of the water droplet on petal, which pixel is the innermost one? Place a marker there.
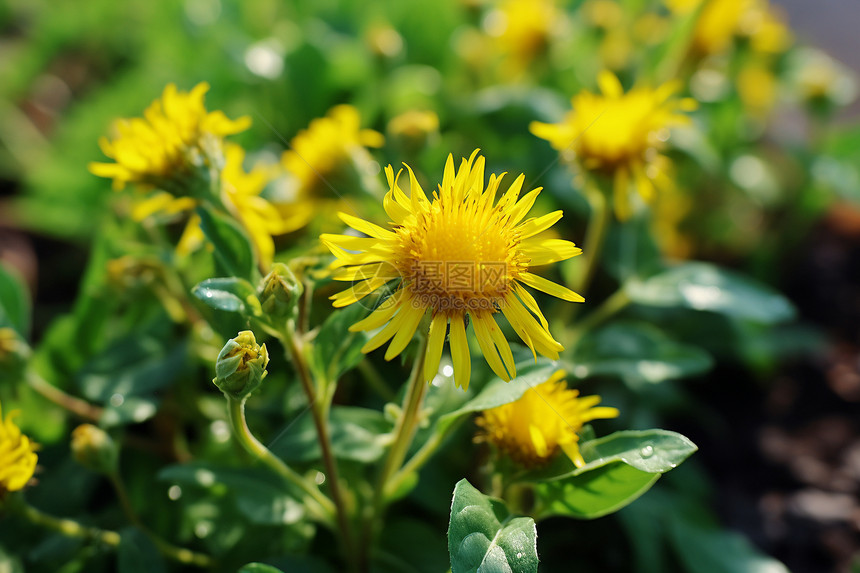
(647, 451)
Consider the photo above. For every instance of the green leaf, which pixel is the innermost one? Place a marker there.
(336, 349)
(14, 303)
(499, 392)
(233, 250)
(596, 493)
(229, 294)
(637, 353)
(259, 568)
(137, 553)
(132, 366)
(702, 286)
(258, 495)
(710, 550)
(358, 434)
(483, 537)
(619, 468)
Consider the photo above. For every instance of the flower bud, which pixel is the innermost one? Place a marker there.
(241, 366)
(279, 291)
(94, 449)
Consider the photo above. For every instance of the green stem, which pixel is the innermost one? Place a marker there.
(67, 527)
(74, 405)
(595, 237)
(417, 461)
(375, 380)
(406, 426)
(179, 554)
(321, 505)
(320, 401)
(601, 314)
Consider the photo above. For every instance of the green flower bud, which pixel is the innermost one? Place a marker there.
(94, 449)
(241, 366)
(280, 291)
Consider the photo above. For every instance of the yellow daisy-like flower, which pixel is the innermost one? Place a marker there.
(544, 421)
(327, 144)
(175, 135)
(458, 254)
(619, 134)
(241, 195)
(521, 30)
(720, 21)
(17, 455)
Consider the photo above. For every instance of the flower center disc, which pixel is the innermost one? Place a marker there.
(459, 259)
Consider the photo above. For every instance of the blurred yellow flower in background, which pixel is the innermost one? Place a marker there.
(521, 31)
(175, 136)
(17, 455)
(544, 421)
(327, 145)
(241, 195)
(721, 21)
(458, 254)
(619, 134)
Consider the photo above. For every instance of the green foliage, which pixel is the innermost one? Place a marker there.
(484, 536)
(619, 468)
(15, 306)
(638, 353)
(702, 286)
(233, 250)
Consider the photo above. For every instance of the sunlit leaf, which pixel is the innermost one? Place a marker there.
(483, 536)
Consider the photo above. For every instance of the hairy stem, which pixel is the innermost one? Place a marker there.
(320, 399)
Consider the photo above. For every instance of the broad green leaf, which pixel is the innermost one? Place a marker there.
(336, 349)
(358, 434)
(482, 536)
(128, 410)
(499, 392)
(619, 468)
(592, 494)
(710, 550)
(229, 294)
(233, 250)
(14, 303)
(652, 451)
(411, 545)
(138, 554)
(135, 365)
(702, 286)
(638, 353)
(259, 568)
(259, 495)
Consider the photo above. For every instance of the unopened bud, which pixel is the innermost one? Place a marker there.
(94, 449)
(241, 366)
(280, 291)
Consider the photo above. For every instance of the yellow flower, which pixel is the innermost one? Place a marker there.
(329, 143)
(458, 254)
(720, 21)
(757, 87)
(175, 135)
(521, 30)
(619, 134)
(17, 455)
(241, 195)
(544, 421)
